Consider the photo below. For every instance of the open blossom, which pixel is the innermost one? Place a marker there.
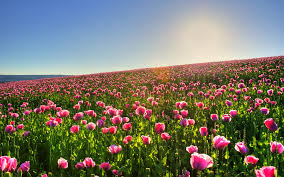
(15, 115)
(126, 126)
(75, 129)
(91, 126)
(88, 162)
(62, 163)
(112, 129)
(146, 139)
(165, 136)
(276, 147)
(127, 139)
(266, 171)
(8, 164)
(91, 113)
(140, 110)
(25, 167)
(114, 149)
(270, 124)
(192, 149)
(191, 121)
(184, 113)
(241, 148)
(116, 120)
(228, 103)
(264, 110)
(203, 131)
(220, 142)
(233, 113)
(20, 126)
(63, 113)
(78, 116)
(214, 117)
(52, 123)
(160, 128)
(80, 165)
(184, 122)
(226, 118)
(105, 130)
(251, 160)
(105, 166)
(10, 129)
(200, 161)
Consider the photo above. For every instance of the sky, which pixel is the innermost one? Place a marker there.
(91, 36)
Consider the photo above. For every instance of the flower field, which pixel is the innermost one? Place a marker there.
(209, 119)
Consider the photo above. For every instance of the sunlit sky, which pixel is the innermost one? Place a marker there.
(90, 36)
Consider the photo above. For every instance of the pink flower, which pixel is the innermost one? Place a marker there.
(200, 161)
(226, 118)
(126, 126)
(160, 128)
(11, 165)
(200, 105)
(4, 162)
(26, 133)
(80, 165)
(276, 147)
(62, 163)
(114, 149)
(25, 167)
(89, 163)
(10, 129)
(241, 147)
(127, 139)
(264, 110)
(116, 120)
(63, 113)
(203, 131)
(233, 113)
(14, 115)
(20, 126)
(27, 112)
(191, 121)
(266, 171)
(186, 174)
(214, 117)
(112, 130)
(251, 159)
(184, 122)
(75, 129)
(78, 116)
(220, 142)
(105, 166)
(165, 136)
(116, 172)
(44, 175)
(191, 149)
(146, 139)
(184, 113)
(270, 124)
(84, 122)
(140, 110)
(105, 130)
(91, 113)
(52, 123)
(91, 126)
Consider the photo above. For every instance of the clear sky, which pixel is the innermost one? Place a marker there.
(90, 36)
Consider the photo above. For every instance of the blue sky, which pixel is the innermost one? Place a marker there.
(90, 36)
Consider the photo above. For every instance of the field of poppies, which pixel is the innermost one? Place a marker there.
(210, 119)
